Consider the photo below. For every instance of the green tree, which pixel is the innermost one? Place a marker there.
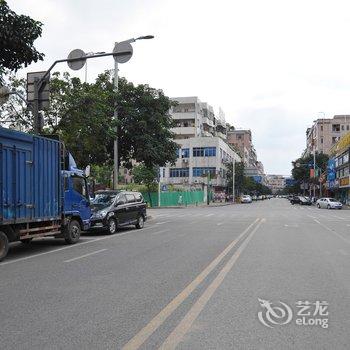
(82, 114)
(301, 170)
(17, 36)
(239, 177)
(147, 176)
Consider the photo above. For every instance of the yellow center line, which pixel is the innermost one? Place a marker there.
(183, 327)
(161, 317)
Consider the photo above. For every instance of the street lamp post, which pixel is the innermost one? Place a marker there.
(233, 180)
(119, 47)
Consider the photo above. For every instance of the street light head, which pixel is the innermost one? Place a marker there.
(145, 37)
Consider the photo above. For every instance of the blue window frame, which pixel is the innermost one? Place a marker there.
(201, 171)
(179, 172)
(185, 153)
(204, 151)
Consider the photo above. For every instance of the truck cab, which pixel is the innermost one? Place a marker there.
(76, 198)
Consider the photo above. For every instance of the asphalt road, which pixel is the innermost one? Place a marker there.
(191, 279)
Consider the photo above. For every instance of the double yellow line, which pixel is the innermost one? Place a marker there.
(185, 324)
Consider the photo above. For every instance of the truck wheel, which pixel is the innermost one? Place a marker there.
(73, 232)
(4, 245)
(140, 222)
(112, 226)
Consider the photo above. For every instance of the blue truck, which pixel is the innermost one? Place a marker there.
(42, 193)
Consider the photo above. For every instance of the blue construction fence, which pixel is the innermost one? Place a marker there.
(172, 199)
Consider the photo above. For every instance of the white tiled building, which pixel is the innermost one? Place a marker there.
(201, 135)
(199, 156)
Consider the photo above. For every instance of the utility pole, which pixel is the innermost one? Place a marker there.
(115, 157)
(314, 171)
(233, 180)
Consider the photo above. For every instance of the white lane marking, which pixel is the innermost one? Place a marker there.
(220, 223)
(338, 217)
(313, 217)
(73, 246)
(291, 225)
(158, 232)
(161, 223)
(209, 215)
(193, 222)
(85, 255)
(332, 231)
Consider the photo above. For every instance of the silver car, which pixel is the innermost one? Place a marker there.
(246, 199)
(329, 203)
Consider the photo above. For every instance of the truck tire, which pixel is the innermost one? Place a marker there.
(73, 230)
(4, 245)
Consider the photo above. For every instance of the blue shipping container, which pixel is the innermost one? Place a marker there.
(30, 178)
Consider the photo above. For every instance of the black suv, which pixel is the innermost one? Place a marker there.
(113, 209)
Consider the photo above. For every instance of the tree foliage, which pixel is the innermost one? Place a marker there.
(244, 184)
(302, 166)
(17, 36)
(145, 176)
(82, 114)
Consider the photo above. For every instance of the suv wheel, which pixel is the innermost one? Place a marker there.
(140, 222)
(328, 206)
(318, 206)
(112, 226)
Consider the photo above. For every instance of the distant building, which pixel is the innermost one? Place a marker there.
(325, 133)
(241, 139)
(198, 157)
(276, 183)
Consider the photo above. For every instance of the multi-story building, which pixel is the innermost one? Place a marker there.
(203, 150)
(194, 118)
(242, 140)
(198, 157)
(276, 183)
(325, 133)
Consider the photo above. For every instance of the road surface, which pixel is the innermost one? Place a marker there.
(198, 278)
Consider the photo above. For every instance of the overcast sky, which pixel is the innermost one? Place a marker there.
(271, 65)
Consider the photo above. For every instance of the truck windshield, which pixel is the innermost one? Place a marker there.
(79, 185)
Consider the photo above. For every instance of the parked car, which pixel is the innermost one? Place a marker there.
(329, 203)
(246, 199)
(305, 200)
(114, 209)
(295, 200)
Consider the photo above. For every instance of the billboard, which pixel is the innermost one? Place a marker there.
(331, 172)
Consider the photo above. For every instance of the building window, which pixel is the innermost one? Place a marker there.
(336, 127)
(347, 127)
(321, 139)
(185, 153)
(179, 172)
(321, 127)
(334, 139)
(203, 171)
(204, 151)
(342, 127)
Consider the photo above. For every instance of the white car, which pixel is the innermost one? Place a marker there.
(329, 203)
(246, 199)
